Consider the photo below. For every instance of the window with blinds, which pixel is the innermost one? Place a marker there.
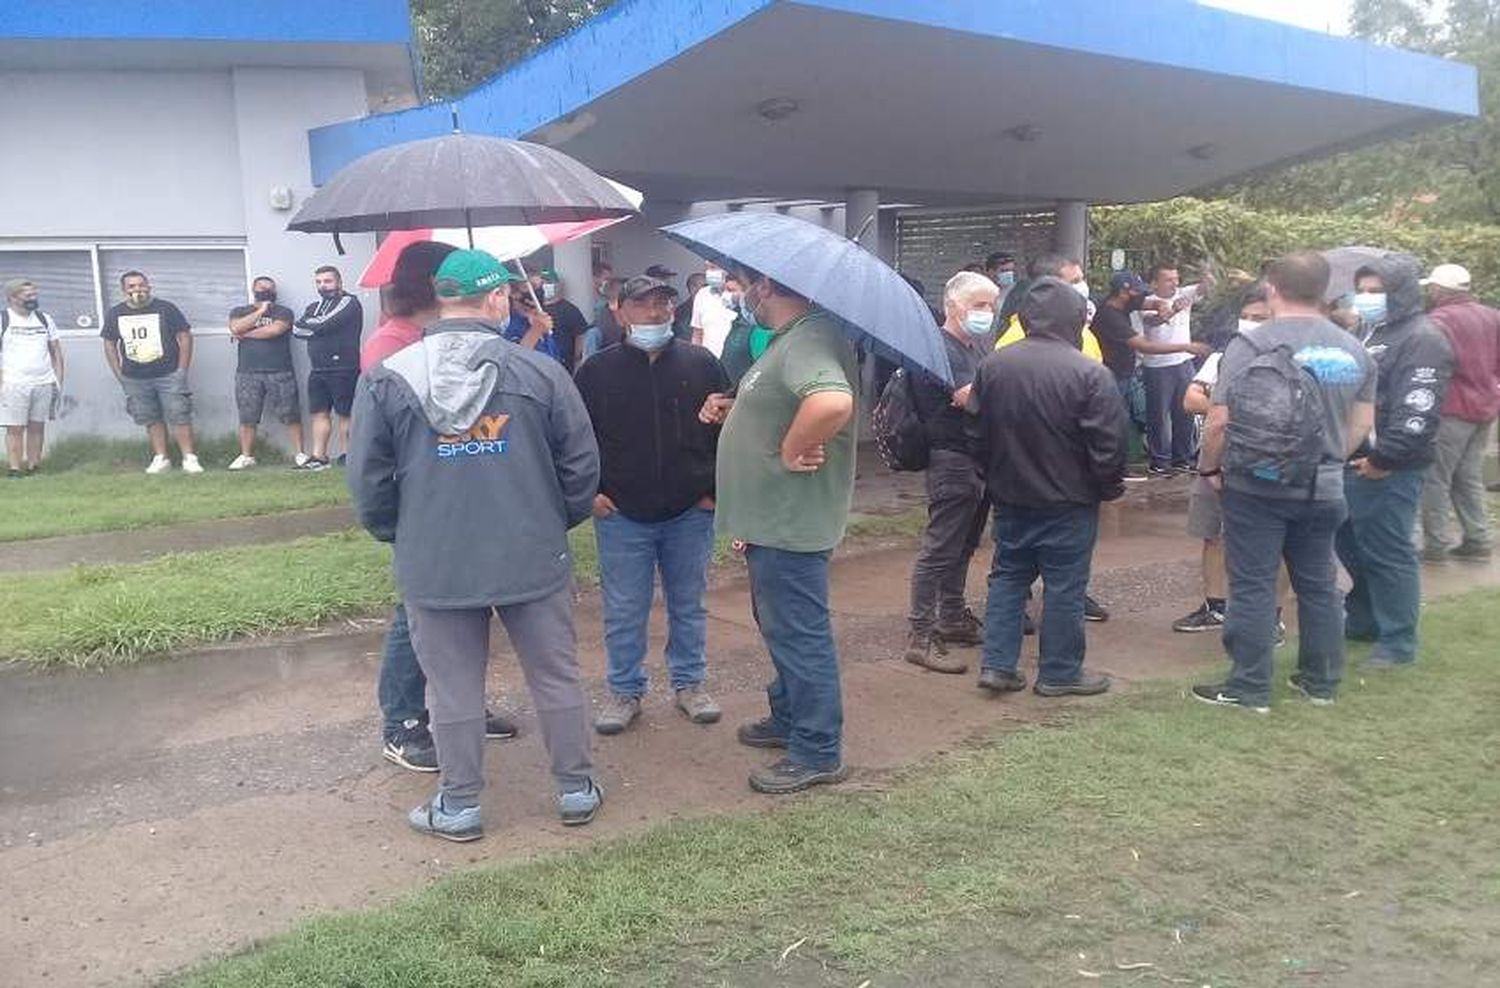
(64, 281)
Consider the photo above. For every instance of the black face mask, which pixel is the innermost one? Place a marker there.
(329, 292)
(265, 296)
(31, 304)
(1135, 303)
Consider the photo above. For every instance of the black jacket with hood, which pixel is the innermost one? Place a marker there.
(1052, 427)
(1415, 363)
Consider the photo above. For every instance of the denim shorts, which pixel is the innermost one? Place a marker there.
(167, 399)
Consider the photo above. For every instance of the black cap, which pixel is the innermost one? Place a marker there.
(1127, 279)
(660, 271)
(641, 285)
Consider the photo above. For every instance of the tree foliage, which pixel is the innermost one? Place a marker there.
(1451, 174)
(464, 42)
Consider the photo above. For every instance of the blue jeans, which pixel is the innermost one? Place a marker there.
(630, 553)
(1056, 544)
(789, 596)
(1170, 433)
(1260, 532)
(402, 687)
(1375, 545)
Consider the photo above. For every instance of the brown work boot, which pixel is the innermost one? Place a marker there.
(926, 650)
(967, 630)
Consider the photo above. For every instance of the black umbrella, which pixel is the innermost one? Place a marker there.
(460, 180)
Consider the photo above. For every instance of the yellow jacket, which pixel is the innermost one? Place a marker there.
(1014, 333)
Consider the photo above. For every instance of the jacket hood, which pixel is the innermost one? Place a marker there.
(1053, 308)
(453, 371)
(1401, 275)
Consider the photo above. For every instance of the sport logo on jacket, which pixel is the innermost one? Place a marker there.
(483, 438)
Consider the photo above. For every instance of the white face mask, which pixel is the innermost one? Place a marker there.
(715, 278)
(1082, 288)
(549, 291)
(1247, 324)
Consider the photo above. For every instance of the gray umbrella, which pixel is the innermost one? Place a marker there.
(1342, 263)
(460, 180)
(873, 301)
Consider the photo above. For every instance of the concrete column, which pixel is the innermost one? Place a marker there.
(887, 225)
(574, 264)
(1070, 238)
(862, 212)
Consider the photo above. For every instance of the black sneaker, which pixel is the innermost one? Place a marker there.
(1028, 626)
(1470, 552)
(1205, 618)
(1156, 471)
(1093, 610)
(968, 630)
(498, 727)
(411, 747)
(760, 734)
(1001, 680)
(787, 776)
(1218, 695)
(1316, 699)
(1082, 686)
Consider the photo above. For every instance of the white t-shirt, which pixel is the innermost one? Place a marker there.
(713, 318)
(1178, 329)
(25, 353)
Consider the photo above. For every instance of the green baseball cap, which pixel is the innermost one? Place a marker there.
(470, 272)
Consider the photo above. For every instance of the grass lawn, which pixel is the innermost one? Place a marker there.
(104, 615)
(98, 486)
(1352, 846)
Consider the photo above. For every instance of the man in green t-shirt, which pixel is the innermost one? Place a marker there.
(785, 479)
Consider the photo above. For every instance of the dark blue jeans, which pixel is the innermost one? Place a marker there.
(1260, 532)
(1170, 433)
(402, 688)
(630, 553)
(789, 596)
(1057, 545)
(1375, 545)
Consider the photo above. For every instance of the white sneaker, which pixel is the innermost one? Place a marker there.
(300, 460)
(242, 462)
(159, 464)
(190, 464)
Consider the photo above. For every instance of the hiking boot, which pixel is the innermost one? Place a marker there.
(1093, 610)
(159, 464)
(412, 748)
(498, 727)
(617, 714)
(967, 630)
(787, 776)
(1316, 699)
(1205, 618)
(1001, 680)
(242, 462)
(1470, 552)
(760, 734)
(699, 706)
(578, 808)
(459, 826)
(190, 463)
(926, 650)
(1082, 686)
(1220, 696)
(1435, 554)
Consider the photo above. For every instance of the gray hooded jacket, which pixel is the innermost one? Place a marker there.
(474, 456)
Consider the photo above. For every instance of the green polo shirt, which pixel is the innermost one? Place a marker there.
(759, 500)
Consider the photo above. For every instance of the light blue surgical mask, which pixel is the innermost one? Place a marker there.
(979, 322)
(1005, 279)
(1371, 307)
(651, 337)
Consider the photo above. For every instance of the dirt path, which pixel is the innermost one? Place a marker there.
(154, 816)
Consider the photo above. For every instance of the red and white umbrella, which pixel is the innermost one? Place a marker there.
(508, 243)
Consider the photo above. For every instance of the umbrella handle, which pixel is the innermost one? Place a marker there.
(529, 290)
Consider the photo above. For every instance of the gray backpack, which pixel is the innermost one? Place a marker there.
(1275, 433)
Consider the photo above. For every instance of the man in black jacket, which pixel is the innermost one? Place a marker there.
(1383, 483)
(655, 507)
(956, 506)
(1052, 433)
(331, 326)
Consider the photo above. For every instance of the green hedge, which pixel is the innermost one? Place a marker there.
(1230, 235)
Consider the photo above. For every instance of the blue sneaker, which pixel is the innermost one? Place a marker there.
(578, 808)
(459, 826)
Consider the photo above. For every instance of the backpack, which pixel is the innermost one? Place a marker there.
(900, 433)
(1275, 432)
(46, 320)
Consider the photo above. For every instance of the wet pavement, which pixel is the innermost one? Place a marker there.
(155, 815)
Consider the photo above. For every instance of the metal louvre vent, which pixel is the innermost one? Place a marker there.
(934, 247)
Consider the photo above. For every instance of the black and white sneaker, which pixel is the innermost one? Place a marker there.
(1093, 610)
(412, 748)
(1156, 471)
(1316, 699)
(1205, 618)
(498, 727)
(1220, 696)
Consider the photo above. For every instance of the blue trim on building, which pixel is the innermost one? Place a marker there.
(365, 22)
(635, 36)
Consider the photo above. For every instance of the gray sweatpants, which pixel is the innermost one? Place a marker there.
(1456, 480)
(453, 649)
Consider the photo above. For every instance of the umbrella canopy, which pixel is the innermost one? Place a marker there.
(1342, 263)
(461, 180)
(874, 302)
(508, 243)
